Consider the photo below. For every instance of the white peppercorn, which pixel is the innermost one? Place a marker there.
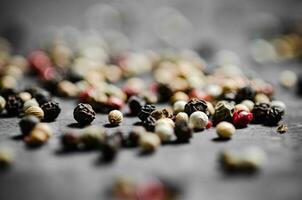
(288, 79)
(182, 116)
(248, 103)
(239, 107)
(280, 104)
(261, 98)
(199, 120)
(115, 117)
(164, 131)
(35, 111)
(30, 103)
(2, 104)
(179, 106)
(25, 96)
(149, 142)
(165, 121)
(225, 130)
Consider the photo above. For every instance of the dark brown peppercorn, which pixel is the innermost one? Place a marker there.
(149, 123)
(146, 112)
(70, 141)
(111, 146)
(183, 131)
(165, 92)
(134, 135)
(135, 104)
(27, 123)
(14, 105)
(6, 92)
(51, 110)
(260, 111)
(244, 93)
(196, 105)
(84, 114)
(274, 115)
(42, 96)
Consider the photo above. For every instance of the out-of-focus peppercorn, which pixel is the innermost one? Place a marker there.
(183, 131)
(70, 141)
(111, 146)
(14, 105)
(149, 123)
(135, 104)
(145, 112)
(274, 115)
(84, 114)
(245, 93)
(260, 112)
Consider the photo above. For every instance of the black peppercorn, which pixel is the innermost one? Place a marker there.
(6, 92)
(165, 92)
(51, 110)
(244, 93)
(84, 114)
(70, 141)
(183, 131)
(42, 96)
(134, 135)
(260, 111)
(145, 112)
(27, 123)
(135, 104)
(14, 105)
(274, 115)
(149, 123)
(196, 105)
(111, 146)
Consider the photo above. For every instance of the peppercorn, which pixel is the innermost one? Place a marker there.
(135, 104)
(149, 142)
(211, 108)
(182, 116)
(249, 104)
(282, 128)
(13, 105)
(135, 135)
(84, 114)
(114, 103)
(239, 107)
(242, 118)
(179, 96)
(261, 98)
(196, 105)
(199, 120)
(161, 113)
(38, 136)
(42, 96)
(93, 137)
(73, 76)
(111, 146)
(2, 104)
(146, 112)
(274, 115)
(245, 93)
(260, 111)
(165, 121)
(35, 111)
(6, 92)
(115, 117)
(149, 123)
(27, 123)
(30, 103)
(164, 91)
(25, 96)
(70, 141)
(225, 130)
(299, 84)
(183, 131)
(179, 106)
(165, 132)
(51, 110)
(281, 104)
(229, 96)
(223, 112)
(6, 158)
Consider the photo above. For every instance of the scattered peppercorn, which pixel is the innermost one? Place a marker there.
(14, 105)
(2, 104)
(274, 115)
(223, 112)
(111, 146)
(51, 110)
(149, 123)
(260, 111)
(245, 93)
(93, 137)
(199, 120)
(27, 123)
(135, 104)
(196, 105)
(182, 116)
(84, 114)
(135, 135)
(179, 106)
(161, 113)
(225, 130)
(146, 112)
(183, 131)
(42, 96)
(242, 118)
(149, 142)
(6, 159)
(164, 131)
(70, 141)
(165, 92)
(115, 117)
(30, 103)
(35, 111)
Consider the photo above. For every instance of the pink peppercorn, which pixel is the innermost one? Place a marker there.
(209, 124)
(153, 190)
(199, 95)
(86, 95)
(242, 118)
(115, 103)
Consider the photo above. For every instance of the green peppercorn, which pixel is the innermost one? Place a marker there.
(223, 112)
(84, 114)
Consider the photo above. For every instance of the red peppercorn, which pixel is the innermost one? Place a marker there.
(85, 95)
(115, 103)
(209, 124)
(153, 190)
(39, 60)
(242, 118)
(198, 94)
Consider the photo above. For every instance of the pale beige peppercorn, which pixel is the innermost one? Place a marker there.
(149, 142)
(25, 96)
(35, 111)
(2, 103)
(225, 130)
(115, 117)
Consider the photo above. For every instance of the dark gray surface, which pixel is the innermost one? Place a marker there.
(45, 174)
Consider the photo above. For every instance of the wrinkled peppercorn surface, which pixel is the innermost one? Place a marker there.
(196, 105)
(84, 114)
(51, 110)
